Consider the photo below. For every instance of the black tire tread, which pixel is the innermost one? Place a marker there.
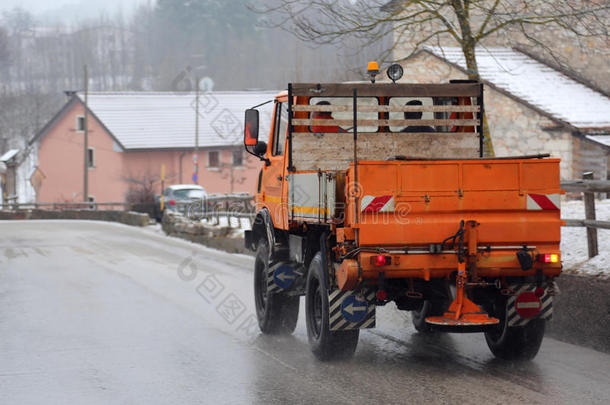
(281, 312)
(330, 345)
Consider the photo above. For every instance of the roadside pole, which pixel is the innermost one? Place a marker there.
(196, 154)
(86, 140)
(162, 205)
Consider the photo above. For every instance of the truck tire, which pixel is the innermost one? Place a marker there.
(515, 343)
(428, 308)
(324, 343)
(276, 313)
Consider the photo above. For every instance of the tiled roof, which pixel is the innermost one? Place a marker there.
(161, 120)
(537, 84)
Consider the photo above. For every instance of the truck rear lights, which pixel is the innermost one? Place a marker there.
(381, 260)
(548, 258)
(382, 295)
(172, 202)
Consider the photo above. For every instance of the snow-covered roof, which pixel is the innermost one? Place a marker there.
(537, 84)
(603, 139)
(160, 120)
(9, 155)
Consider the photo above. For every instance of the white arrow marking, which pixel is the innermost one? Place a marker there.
(351, 308)
(284, 277)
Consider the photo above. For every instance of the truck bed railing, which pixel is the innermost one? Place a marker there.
(456, 111)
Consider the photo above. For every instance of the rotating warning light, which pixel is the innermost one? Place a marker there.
(372, 70)
(395, 72)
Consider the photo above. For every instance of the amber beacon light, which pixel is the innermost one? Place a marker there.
(372, 70)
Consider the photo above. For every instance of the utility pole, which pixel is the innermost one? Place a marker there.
(196, 155)
(86, 134)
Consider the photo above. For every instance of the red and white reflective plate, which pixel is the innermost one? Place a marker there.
(382, 203)
(543, 201)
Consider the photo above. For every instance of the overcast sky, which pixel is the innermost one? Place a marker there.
(67, 10)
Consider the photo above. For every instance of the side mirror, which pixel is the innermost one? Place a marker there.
(251, 128)
(260, 149)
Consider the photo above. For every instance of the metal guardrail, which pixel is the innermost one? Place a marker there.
(63, 205)
(588, 187)
(212, 207)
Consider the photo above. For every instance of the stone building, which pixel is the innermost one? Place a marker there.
(530, 107)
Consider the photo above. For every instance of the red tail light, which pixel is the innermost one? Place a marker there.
(381, 260)
(382, 295)
(548, 258)
(172, 202)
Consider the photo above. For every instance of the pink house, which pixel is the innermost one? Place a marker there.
(133, 135)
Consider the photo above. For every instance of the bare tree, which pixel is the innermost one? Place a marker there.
(465, 23)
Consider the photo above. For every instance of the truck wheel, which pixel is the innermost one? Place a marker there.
(428, 308)
(325, 344)
(277, 313)
(515, 343)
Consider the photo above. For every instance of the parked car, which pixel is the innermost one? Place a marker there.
(177, 196)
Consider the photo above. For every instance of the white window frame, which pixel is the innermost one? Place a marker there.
(78, 118)
(209, 165)
(241, 152)
(92, 160)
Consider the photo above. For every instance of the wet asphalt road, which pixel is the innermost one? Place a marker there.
(104, 313)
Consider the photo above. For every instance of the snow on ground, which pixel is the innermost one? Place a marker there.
(238, 224)
(574, 240)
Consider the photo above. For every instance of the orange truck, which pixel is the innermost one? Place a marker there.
(373, 193)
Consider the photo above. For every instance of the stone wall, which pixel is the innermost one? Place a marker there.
(589, 157)
(581, 312)
(515, 128)
(127, 218)
(221, 238)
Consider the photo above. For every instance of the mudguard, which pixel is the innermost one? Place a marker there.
(546, 310)
(351, 309)
(263, 227)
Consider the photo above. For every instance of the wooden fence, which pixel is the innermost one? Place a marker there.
(588, 187)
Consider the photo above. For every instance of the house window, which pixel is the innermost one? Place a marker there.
(91, 158)
(238, 158)
(213, 159)
(80, 123)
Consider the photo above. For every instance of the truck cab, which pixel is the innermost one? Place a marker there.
(378, 193)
